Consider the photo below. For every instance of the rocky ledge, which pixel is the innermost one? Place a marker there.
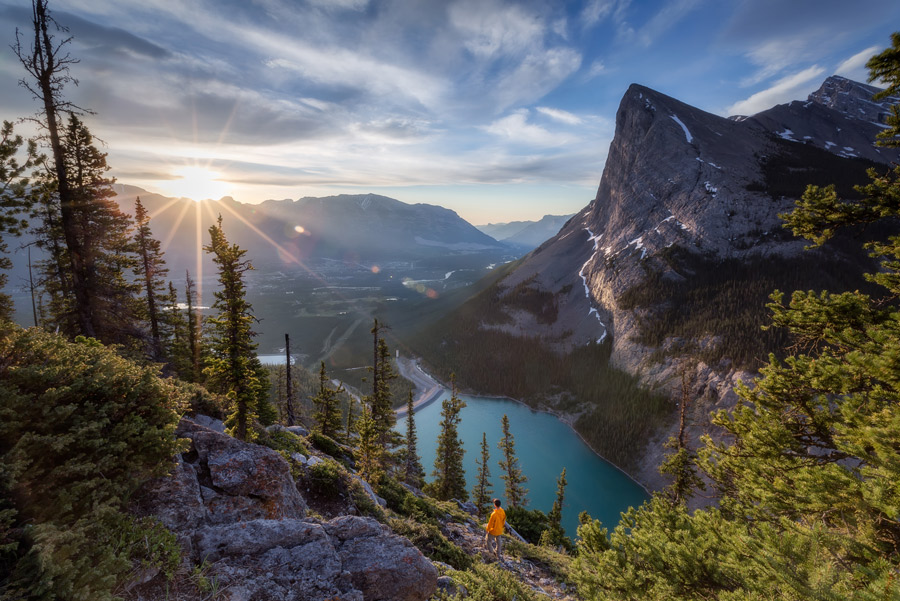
(236, 510)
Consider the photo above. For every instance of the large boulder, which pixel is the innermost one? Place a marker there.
(381, 564)
(240, 481)
(235, 506)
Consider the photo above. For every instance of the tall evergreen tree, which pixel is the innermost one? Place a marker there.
(381, 401)
(14, 198)
(328, 406)
(413, 474)
(368, 447)
(511, 473)
(151, 271)
(289, 383)
(482, 491)
(809, 476)
(233, 367)
(351, 422)
(194, 327)
(555, 535)
(449, 474)
(47, 63)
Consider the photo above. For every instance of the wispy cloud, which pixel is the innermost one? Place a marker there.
(559, 115)
(855, 66)
(516, 128)
(785, 89)
(667, 18)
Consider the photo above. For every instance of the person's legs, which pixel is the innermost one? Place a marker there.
(495, 545)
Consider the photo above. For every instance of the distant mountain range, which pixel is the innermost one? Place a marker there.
(361, 227)
(672, 262)
(527, 234)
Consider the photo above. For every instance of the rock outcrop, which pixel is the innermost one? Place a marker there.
(235, 506)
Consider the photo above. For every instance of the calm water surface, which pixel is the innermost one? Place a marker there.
(544, 446)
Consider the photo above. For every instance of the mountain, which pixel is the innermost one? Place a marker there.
(526, 234)
(671, 264)
(279, 234)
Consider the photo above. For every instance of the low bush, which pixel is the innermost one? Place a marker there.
(80, 429)
(529, 523)
(487, 582)
(431, 542)
(326, 477)
(282, 440)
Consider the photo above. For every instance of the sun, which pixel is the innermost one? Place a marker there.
(197, 183)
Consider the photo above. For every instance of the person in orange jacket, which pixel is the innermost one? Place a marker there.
(494, 536)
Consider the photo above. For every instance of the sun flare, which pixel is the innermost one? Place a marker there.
(197, 183)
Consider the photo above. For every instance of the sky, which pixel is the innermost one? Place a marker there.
(498, 110)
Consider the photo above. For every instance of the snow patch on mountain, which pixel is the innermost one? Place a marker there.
(687, 134)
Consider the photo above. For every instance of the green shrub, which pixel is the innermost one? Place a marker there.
(80, 429)
(327, 477)
(364, 503)
(325, 444)
(201, 401)
(487, 582)
(282, 440)
(431, 542)
(529, 523)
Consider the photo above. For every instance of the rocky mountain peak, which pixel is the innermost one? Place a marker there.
(853, 99)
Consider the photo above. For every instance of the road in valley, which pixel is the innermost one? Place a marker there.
(427, 388)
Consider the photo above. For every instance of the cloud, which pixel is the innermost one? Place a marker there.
(535, 76)
(792, 87)
(490, 29)
(515, 127)
(596, 11)
(776, 36)
(855, 66)
(598, 67)
(559, 115)
(665, 19)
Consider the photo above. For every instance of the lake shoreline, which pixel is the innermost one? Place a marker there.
(566, 418)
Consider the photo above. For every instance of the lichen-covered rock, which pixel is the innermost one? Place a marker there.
(382, 565)
(234, 506)
(240, 481)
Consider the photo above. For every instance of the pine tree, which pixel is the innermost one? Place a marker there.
(102, 236)
(328, 406)
(381, 402)
(681, 463)
(291, 418)
(368, 448)
(449, 474)
(351, 424)
(233, 367)
(151, 271)
(413, 474)
(194, 328)
(482, 491)
(47, 62)
(555, 535)
(14, 198)
(512, 475)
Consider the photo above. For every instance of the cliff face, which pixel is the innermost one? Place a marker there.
(678, 178)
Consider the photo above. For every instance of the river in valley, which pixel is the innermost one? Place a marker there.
(544, 446)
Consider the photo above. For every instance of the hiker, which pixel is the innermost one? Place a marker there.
(494, 536)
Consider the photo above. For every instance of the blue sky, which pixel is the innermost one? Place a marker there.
(498, 110)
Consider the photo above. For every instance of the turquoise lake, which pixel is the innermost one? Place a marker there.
(544, 446)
